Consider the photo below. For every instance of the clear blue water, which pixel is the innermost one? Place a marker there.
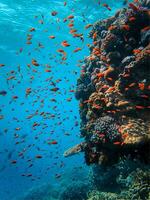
(19, 140)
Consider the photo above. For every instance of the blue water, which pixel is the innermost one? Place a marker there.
(19, 140)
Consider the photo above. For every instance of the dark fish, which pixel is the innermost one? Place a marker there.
(3, 92)
(54, 89)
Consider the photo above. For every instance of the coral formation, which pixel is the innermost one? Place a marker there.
(114, 87)
(114, 94)
(77, 191)
(133, 185)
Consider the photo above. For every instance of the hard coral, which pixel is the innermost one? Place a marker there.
(114, 86)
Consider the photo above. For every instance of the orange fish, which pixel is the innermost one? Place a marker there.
(136, 51)
(77, 49)
(100, 75)
(70, 17)
(132, 84)
(73, 30)
(139, 107)
(88, 26)
(133, 7)
(52, 37)
(53, 142)
(126, 27)
(95, 35)
(65, 44)
(28, 91)
(15, 97)
(47, 70)
(77, 35)
(71, 25)
(32, 29)
(117, 143)
(110, 89)
(10, 77)
(132, 19)
(106, 6)
(141, 86)
(146, 28)
(112, 27)
(34, 62)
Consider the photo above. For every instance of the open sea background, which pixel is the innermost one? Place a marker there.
(20, 139)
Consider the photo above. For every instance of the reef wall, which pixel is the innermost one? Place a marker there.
(114, 94)
(114, 88)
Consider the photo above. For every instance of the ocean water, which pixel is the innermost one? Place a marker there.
(37, 124)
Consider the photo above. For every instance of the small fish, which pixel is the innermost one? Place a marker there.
(52, 37)
(133, 7)
(146, 28)
(38, 156)
(32, 29)
(54, 13)
(65, 44)
(77, 49)
(112, 27)
(57, 175)
(88, 26)
(72, 31)
(3, 92)
(28, 91)
(132, 19)
(139, 107)
(106, 6)
(15, 97)
(117, 143)
(126, 27)
(71, 25)
(141, 86)
(70, 17)
(94, 35)
(13, 162)
(54, 89)
(47, 70)
(136, 51)
(145, 96)
(53, 142)
(34, 62)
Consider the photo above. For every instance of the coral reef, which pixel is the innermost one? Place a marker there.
(77, 191)
(114, 88)
(132, 185)
(114, 94)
